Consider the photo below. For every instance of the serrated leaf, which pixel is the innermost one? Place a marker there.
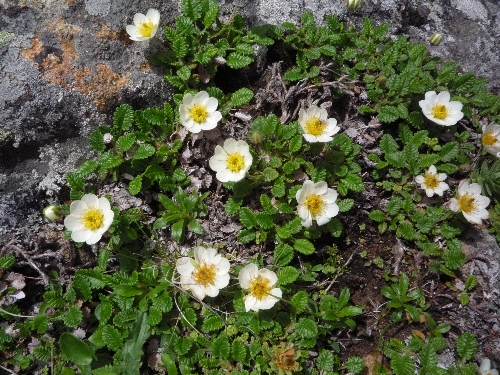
(212, 323)
(388, 114)
(466, 345)
(236, 60)
(299, 301)
(270, 174)
(191, 9)
(304, 246)
(246, 236)
(307, 328)
(123, 118)
(267, 205)
(135, 186)
(325, 360)
(264, 220)
(449, 151)
(345, 204)
(287, 275)
(211, 14)
(388, 145)
(402, 365)
(283, 254)
(72, 317)
(178, 230)
(241, 97)
(295, 143)
(355, 365)
(232, 206)
(471, 282)
(144, 151)
(108, 160)
(220, 347)
(111, 337)
(96, 141)
(454, 259)
(124, 142)
(247, 218)
(377, 215)
(238, 351)
(294, 74)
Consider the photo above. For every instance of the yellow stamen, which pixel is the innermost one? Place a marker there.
(145, 28)
(260, 287)
(489, 139)
(314, 204)
(467, 203)
(199, 113)
(93, 218)
(315, 126)
(440, 111)
(431, 181)
(235, 162)
(205, 274)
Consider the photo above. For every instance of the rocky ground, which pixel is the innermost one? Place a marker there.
(65, 66)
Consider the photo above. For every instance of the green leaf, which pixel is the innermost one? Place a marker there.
(180, 46)
(126, 141)
(355, 365)
(242, 96)
(278, 190)
(7, 261)
(294, 74)
(402, 365)
(212, 323)
(195, 227)
(96, 141)
(304, 246)
(283, 254)
(295, 143)
(123, 117)
(178, 230)
(238, 351)
(144, 151)
(406, 231)
(191, 9)
(388, 145)
(75, 350)
(156, 116)
(108, 160)
(246, 236)
(345, 204)
(449, 151)
(220, 347)
(307, 328)
(72, 317)
(233, 205)
(471, 282)
(264, 220)
(377, 215)
(236, 60)
(267, 205)
(135, 186)
(188, 317)
(299, 301)
(211, 15)
(454, 258)
(466, 345)
(388, 113)
(270, 174)
(111, 337)
(287, 275)
(182, 345)
(325, 360)
(132, 351)
(247, 218)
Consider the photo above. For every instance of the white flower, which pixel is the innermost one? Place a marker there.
(491, 139)
(470, 202)
(231, 161)
(260, 287)
(199, 112)
(145, 26)
(432, 182)
(52, 212)
(204, 275)
(485, 368)
(439, 109)
(89, 218)
(316, 201)
(316, 124)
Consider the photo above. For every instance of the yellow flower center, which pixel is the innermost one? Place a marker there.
(205, 274)
(260, 287)
(145, 28)
(431, 181)
(467, 203)
(235, 162)
(315, 126)
(199, 113)
(489, 139)
(440, 111)
(314, 204)
(93, 218)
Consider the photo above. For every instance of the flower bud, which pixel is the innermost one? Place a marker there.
(256, 137)
(52, 212)
(353, 4)
(219, 60)
(435, 39)
(107, 138)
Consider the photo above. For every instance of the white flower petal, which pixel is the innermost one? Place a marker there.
(153, 15)
(454, 205)
(270, 275)
(250, 302)
(79, 235)
(443, 96)
(249, 272)
(139, 18)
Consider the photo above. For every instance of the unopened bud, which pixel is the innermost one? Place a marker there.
(353, 4)
(256, 137)
(52, 212)
(107, 138)
(435, 39)
(219, 60)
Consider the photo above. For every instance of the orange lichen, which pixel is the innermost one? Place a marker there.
(99, 82)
